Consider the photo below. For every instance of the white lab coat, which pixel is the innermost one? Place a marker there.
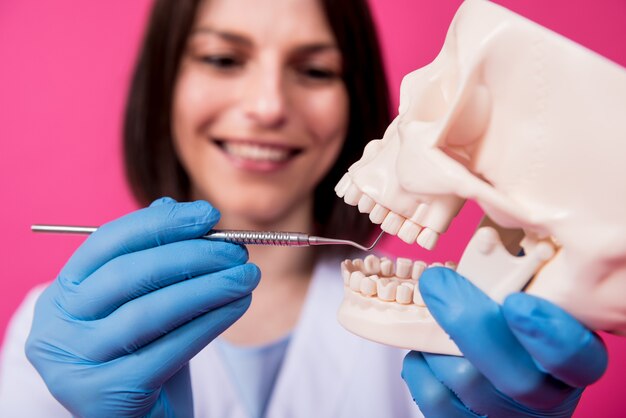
(326, 372)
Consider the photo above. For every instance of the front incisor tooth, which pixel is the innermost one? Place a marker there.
(404, 294)
(392, 223)
(418, 269)
(403, 268)
(355, 280)
(353, 195)
(378, 213)
(386, 267)
(420, 214)
(372, 264)
(428, 238)
(409, 231)
(386, 289)
(342, 187)
(417, 297)
(368, 285)
(366, 204)
(346, 270)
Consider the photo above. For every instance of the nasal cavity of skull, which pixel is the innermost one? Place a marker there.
(468, 124)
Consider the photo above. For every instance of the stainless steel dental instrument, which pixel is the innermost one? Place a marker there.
(277, 238)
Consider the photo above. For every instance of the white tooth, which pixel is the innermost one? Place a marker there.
(372, 264)
(387, 289)
(355, 280)
(436, 264)
(342, 187)
(358, 264)
(352, 195)
(366, 204)
(419, 214)
(418, 269)
(256, 152)
(378, 213)
(368, 285)
(386, 267)
(417, 297)
(403, 268)
(409, 231)
(451, 265)
(404, 294)
(428, 238)
(346, 270)
(392, 223)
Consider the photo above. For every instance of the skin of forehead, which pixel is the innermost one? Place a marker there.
(268, 22)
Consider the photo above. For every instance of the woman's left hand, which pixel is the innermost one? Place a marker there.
(524, 358)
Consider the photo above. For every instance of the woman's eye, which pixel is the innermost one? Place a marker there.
(222, 62)
(318, 74)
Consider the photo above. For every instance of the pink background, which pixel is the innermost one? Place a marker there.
(64, 69)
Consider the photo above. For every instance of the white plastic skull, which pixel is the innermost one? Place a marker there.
(532, 127)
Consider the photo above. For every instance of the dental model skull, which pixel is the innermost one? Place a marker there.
(532, 127)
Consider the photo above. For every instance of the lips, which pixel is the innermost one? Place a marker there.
(258, 155)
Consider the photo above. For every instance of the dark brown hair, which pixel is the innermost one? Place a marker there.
(152, 167)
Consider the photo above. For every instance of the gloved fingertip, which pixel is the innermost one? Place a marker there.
(254, 273)
(446, 293)
(210, 212)
(162, 201)
(557, 341)
(534, 316)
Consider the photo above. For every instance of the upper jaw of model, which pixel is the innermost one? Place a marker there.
(529, 125)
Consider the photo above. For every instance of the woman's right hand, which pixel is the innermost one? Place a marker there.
(113, 334)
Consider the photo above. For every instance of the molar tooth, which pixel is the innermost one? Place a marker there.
(428, 238)
(386, 267)
(346, 270)
(355, 280)
(417, 297)
(378, 213)
(368, 285)
(409, 231)
(451, 265)
(386, 289)
(353, 195)
(403, 268)
(372, 264)
(418, 269)
(366, 204)
(420, 213)
(392, 223)
(342, 187)
(404, 294)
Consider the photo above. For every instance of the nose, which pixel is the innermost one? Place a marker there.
(265, 98)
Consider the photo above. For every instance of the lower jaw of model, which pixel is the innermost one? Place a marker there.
(382, 302)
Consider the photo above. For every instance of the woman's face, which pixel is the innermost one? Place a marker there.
(260, 110)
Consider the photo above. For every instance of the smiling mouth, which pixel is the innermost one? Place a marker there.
(257, 152)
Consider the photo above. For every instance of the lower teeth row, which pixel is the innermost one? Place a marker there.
(364, 277)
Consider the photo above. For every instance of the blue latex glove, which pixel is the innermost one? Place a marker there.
(525, 358)
(113, 334)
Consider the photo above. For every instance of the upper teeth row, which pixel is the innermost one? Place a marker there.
(408, 230)
(256, 152)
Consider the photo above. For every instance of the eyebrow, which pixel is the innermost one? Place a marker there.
(228, 36)
(245, 41)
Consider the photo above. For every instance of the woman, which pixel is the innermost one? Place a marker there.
(257, 107)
